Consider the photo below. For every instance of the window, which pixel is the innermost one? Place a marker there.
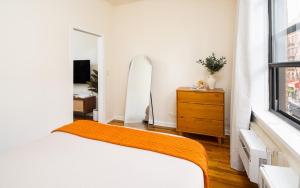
(284, 59)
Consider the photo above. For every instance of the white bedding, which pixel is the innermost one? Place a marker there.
(66, 161)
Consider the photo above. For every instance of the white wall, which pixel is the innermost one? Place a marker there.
(174, 34)
(35, 67)
(85, 47)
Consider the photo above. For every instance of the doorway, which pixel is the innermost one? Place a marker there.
(87, 70)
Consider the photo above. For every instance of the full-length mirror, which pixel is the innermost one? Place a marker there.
(138, 91)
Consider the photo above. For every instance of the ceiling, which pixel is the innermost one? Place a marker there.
(120, 2)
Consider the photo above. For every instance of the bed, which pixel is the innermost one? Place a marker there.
(63, 160)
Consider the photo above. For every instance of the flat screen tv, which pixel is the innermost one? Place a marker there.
(82, 71)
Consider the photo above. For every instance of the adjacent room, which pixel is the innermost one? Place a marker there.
(150, 93)
(85, 54)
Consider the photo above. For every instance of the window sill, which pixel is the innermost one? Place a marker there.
(281, 131)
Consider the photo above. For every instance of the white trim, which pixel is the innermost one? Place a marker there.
(227, 132)
(164, 123)
(118, 117)
(157, 122)
(101, 80)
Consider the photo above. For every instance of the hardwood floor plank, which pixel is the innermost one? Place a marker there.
(219, 171)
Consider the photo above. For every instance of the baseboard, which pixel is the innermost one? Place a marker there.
(119, 117)
(160, 124)
(163, 127)
(227, 132)
(163, 124)
(109, 120)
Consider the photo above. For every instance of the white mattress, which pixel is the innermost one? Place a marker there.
(66, 161)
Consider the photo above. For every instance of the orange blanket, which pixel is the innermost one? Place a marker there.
(179, 147)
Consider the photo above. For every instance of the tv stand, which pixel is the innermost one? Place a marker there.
(85, 105)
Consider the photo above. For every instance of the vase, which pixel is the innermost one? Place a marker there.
(211, 81)
(95, 114)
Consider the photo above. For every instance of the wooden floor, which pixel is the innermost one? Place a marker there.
(220, 173)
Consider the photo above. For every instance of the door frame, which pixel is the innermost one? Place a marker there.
(101, 69)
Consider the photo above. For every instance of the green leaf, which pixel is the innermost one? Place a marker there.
(93, 83)
(212, 63)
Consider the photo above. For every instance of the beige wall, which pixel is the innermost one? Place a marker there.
(35, 68)
(36, 71)
(174, 34)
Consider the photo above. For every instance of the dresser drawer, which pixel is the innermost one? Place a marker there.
(202, 111)
(78, 106)
(200, 97)
(201, 126)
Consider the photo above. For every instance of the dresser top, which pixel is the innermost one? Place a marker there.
(220, 90)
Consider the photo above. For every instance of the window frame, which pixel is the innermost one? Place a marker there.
(274, 73)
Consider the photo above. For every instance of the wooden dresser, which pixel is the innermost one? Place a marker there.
(201, 112)
(84, 105)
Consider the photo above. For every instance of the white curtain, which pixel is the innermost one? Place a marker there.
(250, 69)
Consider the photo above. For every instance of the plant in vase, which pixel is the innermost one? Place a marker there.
(93, 87)
(213, 65)
(93, 83)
